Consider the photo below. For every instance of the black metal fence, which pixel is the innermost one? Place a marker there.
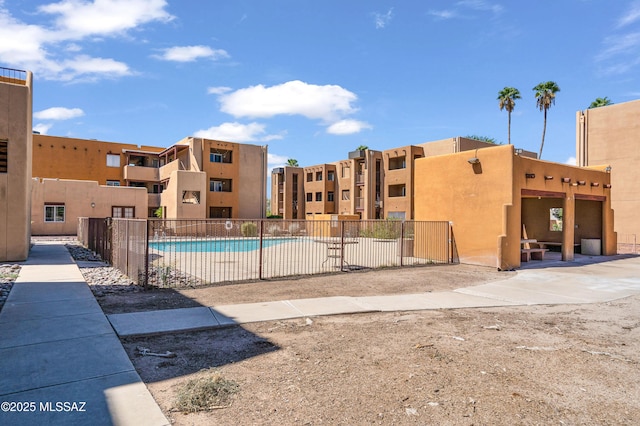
(178, 253)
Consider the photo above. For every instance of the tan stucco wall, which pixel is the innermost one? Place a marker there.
(484, 202)
(79, 159)
(171, 197)
(252, 185)
(611, 136)
(448, 188)
(81, 198)
(15, 202)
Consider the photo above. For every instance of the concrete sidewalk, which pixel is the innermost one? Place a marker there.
(61, 362)
(589, 280)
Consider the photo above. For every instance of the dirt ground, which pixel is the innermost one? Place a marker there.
(570, 364)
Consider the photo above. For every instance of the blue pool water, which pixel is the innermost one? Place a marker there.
(217, 246)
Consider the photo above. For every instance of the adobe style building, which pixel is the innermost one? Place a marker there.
(192, 179)
(611, 135)
(495, 198)
(370, 184)
(16, 95)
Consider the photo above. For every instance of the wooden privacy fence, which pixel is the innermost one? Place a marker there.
(178, 253)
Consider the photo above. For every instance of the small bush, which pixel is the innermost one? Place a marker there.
(249, 229)
(205, 393)
(383, 230)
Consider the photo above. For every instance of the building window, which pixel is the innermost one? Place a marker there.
(309, 177)
(123, 212)
(397, 190)
(318, 196)
(113, 183)
(190, 197)
(555, 219)
(329, 196)
(397, 163)
(113, 160)
(220, 156)
(54, 213)
(318, 176)
(331, 176)
(220, 212)
(220, 185)
(309, 196)
(4, 155)
(346, 194)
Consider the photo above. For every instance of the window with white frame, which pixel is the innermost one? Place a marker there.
(54, 213)
(113, 160)
(113, 183)
(123, 212)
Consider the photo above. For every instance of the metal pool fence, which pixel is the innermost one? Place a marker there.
(178, 253)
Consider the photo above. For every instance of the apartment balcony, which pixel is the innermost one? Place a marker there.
(280, 188)
(153, 200)
(359, 203)
(359, 178)
(141, 173)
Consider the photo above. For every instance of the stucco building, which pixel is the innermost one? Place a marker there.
(194, 178)
(495, 198)
(611, 135)
(370, 184)
(16, 94)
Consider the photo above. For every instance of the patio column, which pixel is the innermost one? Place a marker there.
(568, 226)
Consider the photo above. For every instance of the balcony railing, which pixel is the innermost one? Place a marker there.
(10, 75)
(359, 203)
(154, 200)
(359, 178)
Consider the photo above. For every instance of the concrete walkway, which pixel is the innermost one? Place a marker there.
(587, 280)
(60, 361)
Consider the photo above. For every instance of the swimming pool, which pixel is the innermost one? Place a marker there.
(240, 245)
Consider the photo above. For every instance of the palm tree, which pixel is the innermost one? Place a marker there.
(545, 97)
(600, 102)
(292, 162)
(507, 98)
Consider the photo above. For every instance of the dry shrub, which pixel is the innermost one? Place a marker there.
(208, 392)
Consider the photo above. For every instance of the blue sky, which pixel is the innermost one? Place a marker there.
(315, 79)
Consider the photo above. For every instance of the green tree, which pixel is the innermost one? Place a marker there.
(362, 148)
(483, 139)
(292, 162)
(507, 98)
(545, 97)
(600, 102)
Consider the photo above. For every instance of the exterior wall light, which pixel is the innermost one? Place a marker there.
(93, 205)
(566, 180)
(473, 160)
(607, 185)
(595, 184)
(608, 169)
(530, 175)
(548, 178)
(582, 182)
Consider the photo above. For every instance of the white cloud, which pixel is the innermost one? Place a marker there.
(274, 160)
(51, 51)
(191, 53)
(237, 132)
(466, 9)
(443, 14)
(382, 19)
(571, 161)
(347, 127)
(218, 90)
(327, 103)
(58, 113)
(79, 18)
(632, 15)
(42, 128)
